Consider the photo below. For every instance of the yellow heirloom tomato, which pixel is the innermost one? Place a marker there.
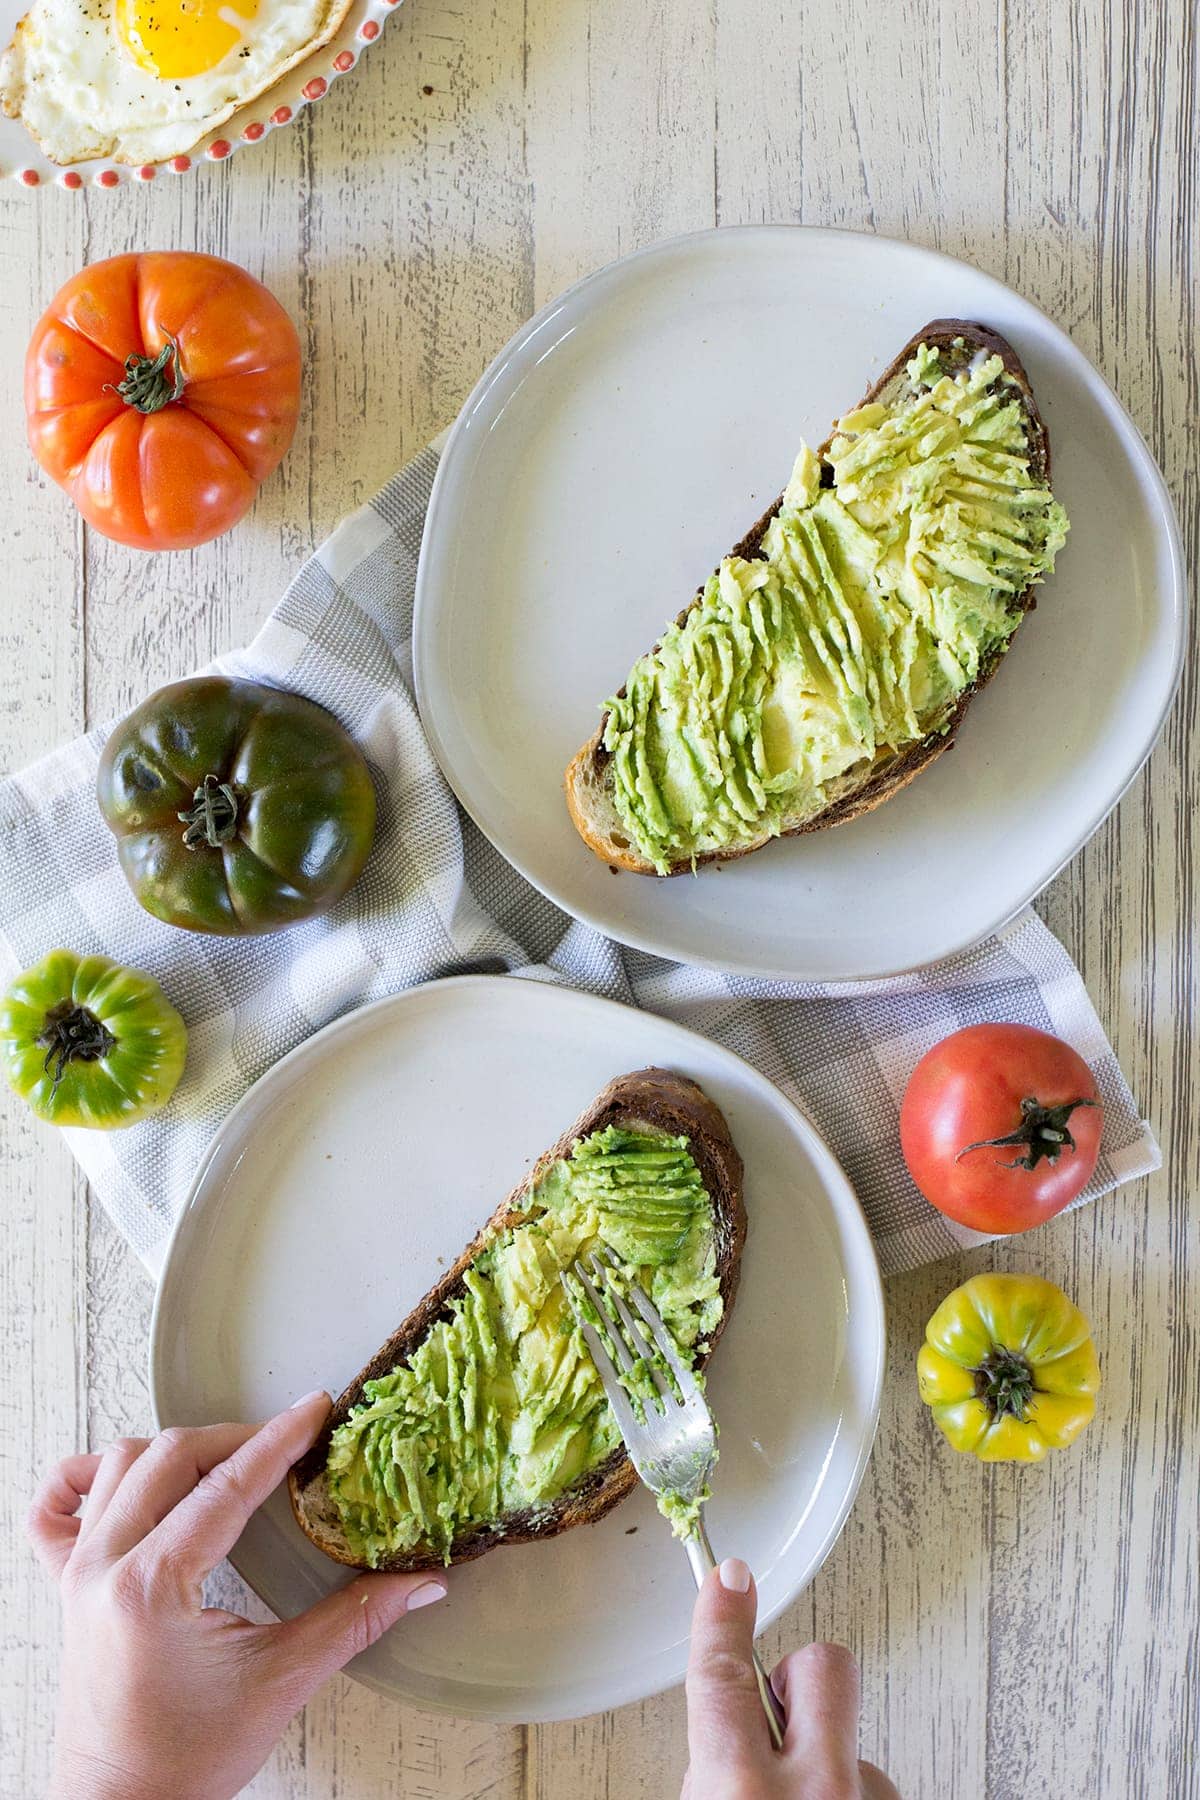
(1008, 1368)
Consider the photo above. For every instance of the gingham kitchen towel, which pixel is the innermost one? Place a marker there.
(437, 899)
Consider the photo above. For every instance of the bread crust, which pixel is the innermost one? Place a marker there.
(654, 1097)
(585, 775)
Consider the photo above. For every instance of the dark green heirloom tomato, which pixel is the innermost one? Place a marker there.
(86, 1042)
(237, 808)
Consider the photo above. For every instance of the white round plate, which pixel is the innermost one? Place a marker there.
(611, 455)
(22, 160)
(348, 1178)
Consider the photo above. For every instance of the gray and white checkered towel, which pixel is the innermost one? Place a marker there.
(436, 899)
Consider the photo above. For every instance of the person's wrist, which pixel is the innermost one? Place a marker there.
(82, 1775)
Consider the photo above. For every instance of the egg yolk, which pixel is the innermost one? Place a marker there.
(177, 38)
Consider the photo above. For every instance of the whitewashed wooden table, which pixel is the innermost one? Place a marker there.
(1020, 1632)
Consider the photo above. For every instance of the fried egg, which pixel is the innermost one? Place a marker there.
(142, 80)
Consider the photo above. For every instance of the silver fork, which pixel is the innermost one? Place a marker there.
(672, 1449)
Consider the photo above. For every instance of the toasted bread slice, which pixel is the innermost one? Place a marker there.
(652, 1099)
(589, 787)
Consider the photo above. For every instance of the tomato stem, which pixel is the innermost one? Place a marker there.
(1004, 1382)
(1042, 1132)
(212, 819)
(71, 1033)
(147, 385)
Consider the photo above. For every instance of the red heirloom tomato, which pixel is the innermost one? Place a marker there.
(1000, 1126)
(160, 390)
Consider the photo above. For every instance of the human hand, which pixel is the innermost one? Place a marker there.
(730, 1750)
(159, 1694)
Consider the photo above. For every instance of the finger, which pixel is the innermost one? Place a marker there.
(53, 1522)
(207, 1523)
(875, 1784)
(727, 1732)
(160, 1478)
(310, 1648)
(819, 1690)
(115, 1464)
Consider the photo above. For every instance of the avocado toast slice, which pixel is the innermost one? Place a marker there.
(444, 1431)
(835, 653)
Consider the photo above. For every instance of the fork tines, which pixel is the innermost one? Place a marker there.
(625, 1338)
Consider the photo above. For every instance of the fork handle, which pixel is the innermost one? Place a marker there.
(700, 1556)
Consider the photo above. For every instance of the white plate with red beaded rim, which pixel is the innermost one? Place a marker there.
(23, 161)
(356, 1170)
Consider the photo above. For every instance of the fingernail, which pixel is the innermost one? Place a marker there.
(307, 1399)
(425, 1595)
(735, 1575)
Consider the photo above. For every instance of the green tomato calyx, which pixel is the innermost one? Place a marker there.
(213, 816)
(152, 382)
(1004, 1382)
(1043, 1131)
(71, 1033)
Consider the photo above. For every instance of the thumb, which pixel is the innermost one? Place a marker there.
(726, 1730)
(307, 1650)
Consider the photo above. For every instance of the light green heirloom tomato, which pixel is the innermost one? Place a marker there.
(87, 1042)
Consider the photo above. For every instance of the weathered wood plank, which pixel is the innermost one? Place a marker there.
(620, 110)
(1101, 201)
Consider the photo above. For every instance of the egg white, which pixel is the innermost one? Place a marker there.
(69, 79)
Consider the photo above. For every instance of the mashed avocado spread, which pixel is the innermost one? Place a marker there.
(500, 1409)
(876, 604)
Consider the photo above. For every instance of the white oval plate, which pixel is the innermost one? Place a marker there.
(630, 434)
(23, 161)
(359, 1166)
